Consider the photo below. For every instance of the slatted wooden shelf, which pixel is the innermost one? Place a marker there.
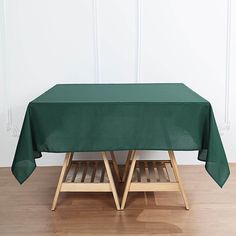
(153, 171)
(156, 175)
(87, 176)
(92, 171)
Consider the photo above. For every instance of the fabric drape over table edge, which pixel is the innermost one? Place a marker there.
(24, 168)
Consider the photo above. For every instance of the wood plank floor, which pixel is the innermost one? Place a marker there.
(25, 209)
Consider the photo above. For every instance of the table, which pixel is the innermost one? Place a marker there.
(110, 117)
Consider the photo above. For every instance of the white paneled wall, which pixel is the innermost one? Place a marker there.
(117, 40)
(185, 41)
(44, 42)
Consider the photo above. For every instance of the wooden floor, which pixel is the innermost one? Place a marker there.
(25, 210)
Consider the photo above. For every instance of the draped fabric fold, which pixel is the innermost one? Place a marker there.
(213, 153)
(24, 165)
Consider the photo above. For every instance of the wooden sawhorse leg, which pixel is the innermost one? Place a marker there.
(177, 177)
(64, 170)
(111, 181)
(131, 155)
(115, 165)
(127, 164)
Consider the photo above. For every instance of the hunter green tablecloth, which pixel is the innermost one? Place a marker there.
(104, 117)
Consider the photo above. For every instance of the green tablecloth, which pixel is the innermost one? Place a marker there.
(104, 117)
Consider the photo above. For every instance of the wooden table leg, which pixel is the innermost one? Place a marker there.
(112, 184)
(177, 177)
(127, 163)
(130, 175)
(65, 167)
(116, 168)
(68, 166)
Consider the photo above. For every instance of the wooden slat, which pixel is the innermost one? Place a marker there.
(105, 180)
(69, 163)
(85, 187)
(151, 187)
(146, 171)
(85, 167)
(98, 172)
(95, 165)
(161, 172)
(102, 173)
(70, 173)
(75, 172)
(89, 172)
(134, 178)
(79, 172)
(165, 172)
(142, 172)
(170, 172)
(156, 171)
(151, 172)
(138, 172)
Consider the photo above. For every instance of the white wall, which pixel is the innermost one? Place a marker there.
(43, 42)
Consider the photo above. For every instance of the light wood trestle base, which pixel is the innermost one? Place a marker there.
(138, 176)
(82, 176)
(150, 176)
